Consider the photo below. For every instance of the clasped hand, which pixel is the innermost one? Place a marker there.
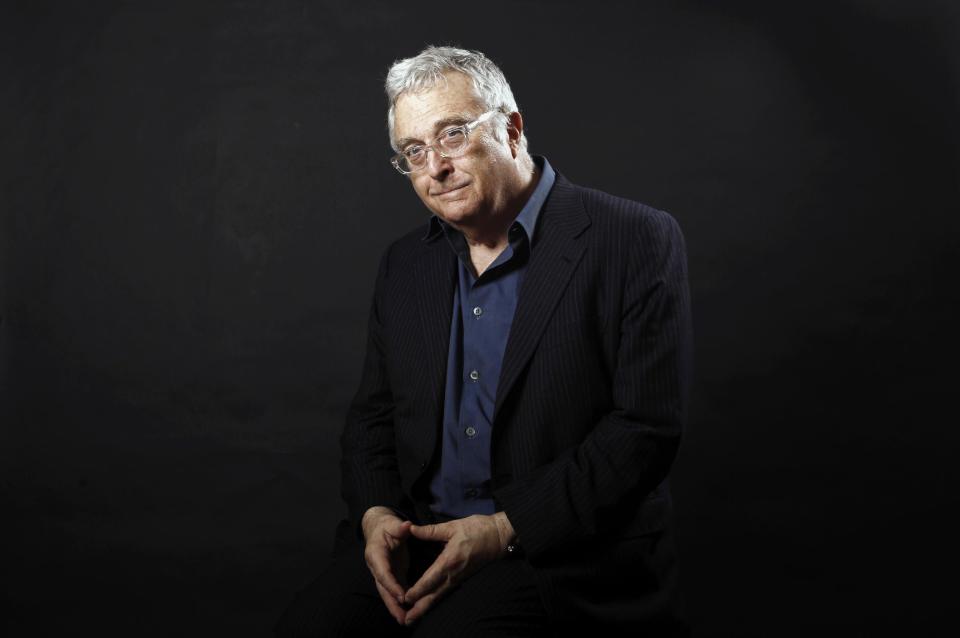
(469, 544)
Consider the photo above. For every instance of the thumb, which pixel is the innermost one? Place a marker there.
(437, 532)
(400, 530)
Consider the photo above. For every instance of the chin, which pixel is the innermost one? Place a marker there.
(456, 214)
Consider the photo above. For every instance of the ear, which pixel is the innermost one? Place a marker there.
(514, 131)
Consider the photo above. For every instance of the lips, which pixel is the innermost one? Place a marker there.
(449, 190)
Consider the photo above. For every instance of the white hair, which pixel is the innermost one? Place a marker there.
(426, 70)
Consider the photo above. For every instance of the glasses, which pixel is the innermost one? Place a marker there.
(452, 142)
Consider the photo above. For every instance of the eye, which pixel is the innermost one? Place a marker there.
(452, 133)
(413, 151)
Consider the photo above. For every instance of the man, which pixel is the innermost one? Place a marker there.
(523, 394)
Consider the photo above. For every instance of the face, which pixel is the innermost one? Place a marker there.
(466, 190)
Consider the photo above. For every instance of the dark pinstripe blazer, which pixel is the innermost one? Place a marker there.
(590, 402)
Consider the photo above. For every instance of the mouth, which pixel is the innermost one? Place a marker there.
(449, 190)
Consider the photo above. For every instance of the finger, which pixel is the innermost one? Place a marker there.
(423, 605)
(396, 527)
(393, 607)
(399, 613)
(437, 532)
(400, 566)
(432, 579)
(399, 532)
(378, 561)
(386, 579)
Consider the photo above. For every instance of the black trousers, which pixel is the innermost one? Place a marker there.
(499, 600)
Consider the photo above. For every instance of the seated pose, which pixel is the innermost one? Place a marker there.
(505, 458)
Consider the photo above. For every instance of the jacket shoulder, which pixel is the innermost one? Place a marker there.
(400, 252)
(606, 206)
(622, 214)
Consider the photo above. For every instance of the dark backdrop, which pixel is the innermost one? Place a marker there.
(195, 196)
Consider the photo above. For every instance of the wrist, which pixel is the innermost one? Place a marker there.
(373, 515)
(505, 532)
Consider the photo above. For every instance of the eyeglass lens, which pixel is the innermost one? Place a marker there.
(451, 143)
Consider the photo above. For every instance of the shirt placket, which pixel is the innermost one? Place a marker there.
(473, 428)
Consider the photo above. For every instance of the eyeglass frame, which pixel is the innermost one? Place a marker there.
(437, 148)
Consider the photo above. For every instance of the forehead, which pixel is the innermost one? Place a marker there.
(417, 114)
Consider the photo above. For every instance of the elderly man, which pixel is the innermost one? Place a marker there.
(505, 458)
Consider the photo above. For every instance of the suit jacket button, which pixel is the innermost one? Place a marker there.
(423, 465)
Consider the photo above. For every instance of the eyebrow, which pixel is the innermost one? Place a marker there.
(439, 125)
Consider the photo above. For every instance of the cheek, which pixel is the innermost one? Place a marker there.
(422, 189)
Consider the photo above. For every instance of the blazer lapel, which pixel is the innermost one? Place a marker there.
(553, 258)
(435, 278)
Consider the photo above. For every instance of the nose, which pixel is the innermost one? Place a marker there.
(438, 166)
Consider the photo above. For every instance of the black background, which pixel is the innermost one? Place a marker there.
(195, 197)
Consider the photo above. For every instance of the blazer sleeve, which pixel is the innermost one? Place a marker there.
(629, 450)
(369, 470)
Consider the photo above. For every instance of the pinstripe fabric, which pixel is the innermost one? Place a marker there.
(590, 403)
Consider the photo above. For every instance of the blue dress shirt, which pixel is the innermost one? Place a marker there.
(483, 310)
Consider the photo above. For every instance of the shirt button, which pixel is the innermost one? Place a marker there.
(471, 493)
(470, 432)
(477, 311)
(474, 375)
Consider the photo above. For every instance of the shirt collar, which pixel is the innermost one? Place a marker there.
(529, 214)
